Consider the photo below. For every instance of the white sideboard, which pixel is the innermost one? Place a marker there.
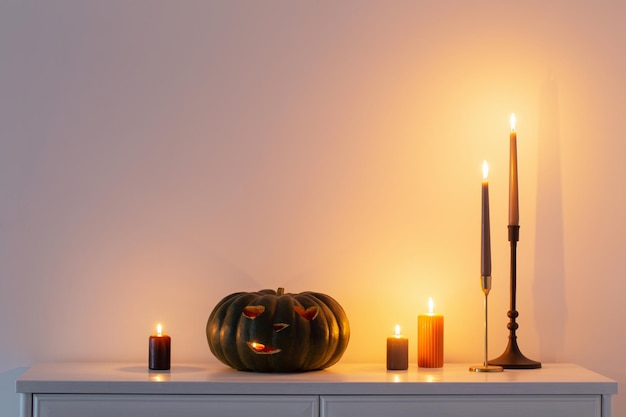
(344, 390)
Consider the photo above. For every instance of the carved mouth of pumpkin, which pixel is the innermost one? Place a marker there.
(261, 349)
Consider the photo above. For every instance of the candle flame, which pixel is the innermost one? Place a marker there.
(397, 330)
(257, 346)
(159, 330)
(485, 170)
(431, 305)
(512, 122)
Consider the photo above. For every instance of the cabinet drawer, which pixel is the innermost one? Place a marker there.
(82, 405)
(462, 406)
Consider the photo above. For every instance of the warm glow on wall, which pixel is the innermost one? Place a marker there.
(333, 151)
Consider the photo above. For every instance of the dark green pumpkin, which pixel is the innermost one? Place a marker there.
(270, 331)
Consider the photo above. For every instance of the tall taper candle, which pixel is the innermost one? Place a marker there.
(485, 235)
(513, 195)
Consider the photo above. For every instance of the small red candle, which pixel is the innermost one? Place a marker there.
(397, 351)
(159, 348)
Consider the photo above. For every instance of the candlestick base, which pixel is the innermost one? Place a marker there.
(513, 358)
(486, 368)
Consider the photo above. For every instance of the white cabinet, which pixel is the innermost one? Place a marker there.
(344, 390)
(462, 406)
(118, 405)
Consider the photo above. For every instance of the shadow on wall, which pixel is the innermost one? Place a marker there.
(549, 282)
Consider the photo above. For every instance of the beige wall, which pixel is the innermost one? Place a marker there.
(156, 156)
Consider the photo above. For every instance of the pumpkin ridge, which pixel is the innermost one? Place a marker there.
(216, 321)
(322, 339)
(228, 334)
(290, 358)
(343, 326)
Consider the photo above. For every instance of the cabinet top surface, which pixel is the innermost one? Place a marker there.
(340, 379)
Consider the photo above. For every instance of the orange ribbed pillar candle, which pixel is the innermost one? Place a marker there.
(430, 339)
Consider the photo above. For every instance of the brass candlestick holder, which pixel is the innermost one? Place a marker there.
(512, 358)
(485, 282)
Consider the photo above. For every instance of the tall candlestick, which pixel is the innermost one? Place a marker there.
(430, 339)
(512, 358)
(159, 351)
(397, 351)
(485, 236)
(513, 194)
(485, 268)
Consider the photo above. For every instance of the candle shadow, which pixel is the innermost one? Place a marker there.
(178, 369)
(550, 306)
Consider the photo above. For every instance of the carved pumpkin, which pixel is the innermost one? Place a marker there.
(270, 331)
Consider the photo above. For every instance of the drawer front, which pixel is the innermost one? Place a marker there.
(78, 405)
(461, 406)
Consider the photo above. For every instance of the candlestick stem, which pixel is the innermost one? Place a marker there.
(485, 367)
(512, 358)
(486, 330)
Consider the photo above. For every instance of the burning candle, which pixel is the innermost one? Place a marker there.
(397, 351)
(485, 236)
(430, 339)
(513, 194)
(159, 351)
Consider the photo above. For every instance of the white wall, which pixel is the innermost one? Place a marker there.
(156, 156)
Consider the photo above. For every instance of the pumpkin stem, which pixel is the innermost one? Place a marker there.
(280, 291)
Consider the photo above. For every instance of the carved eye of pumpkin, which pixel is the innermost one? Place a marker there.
(308, 314)
(252, 312)
(280, 326)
